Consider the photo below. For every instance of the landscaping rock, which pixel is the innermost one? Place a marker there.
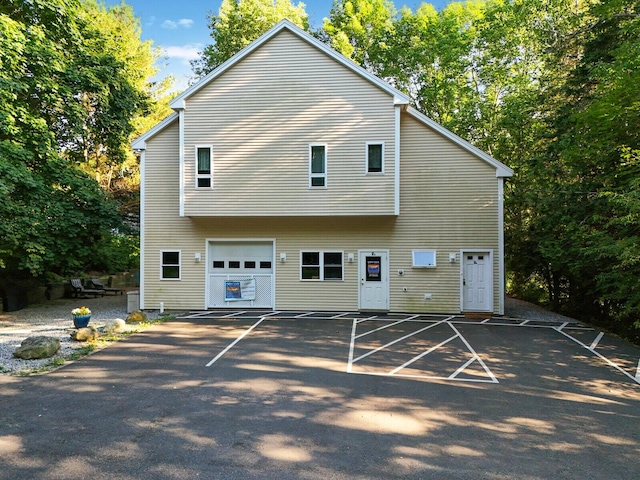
(114, 326)
(137, 317)
(85, 334)
(36, 347)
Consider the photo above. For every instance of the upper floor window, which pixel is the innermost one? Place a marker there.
(204, 167)
(375, 158)
(317, 166)
(170, 264)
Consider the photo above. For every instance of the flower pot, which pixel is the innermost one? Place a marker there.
(80, 321)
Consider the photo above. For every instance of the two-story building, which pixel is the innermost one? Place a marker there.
(290, 178)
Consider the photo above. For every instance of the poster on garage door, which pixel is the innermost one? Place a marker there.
(237, 290)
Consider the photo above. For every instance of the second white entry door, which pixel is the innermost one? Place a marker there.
(373, 267)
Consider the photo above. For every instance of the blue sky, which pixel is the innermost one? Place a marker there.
(180, 28)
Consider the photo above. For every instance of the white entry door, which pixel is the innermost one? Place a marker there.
(373, 266)
(477, 282)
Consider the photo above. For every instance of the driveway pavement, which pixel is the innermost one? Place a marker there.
(299, 396)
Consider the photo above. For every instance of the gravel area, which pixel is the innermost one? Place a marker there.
(515, 308)
(53, 319)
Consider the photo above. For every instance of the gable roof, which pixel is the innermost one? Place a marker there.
(399, 98)
(501, 169)
(140, 143)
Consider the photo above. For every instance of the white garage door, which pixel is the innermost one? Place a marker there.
(241, 274)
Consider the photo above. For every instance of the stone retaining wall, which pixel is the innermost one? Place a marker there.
(17, 298)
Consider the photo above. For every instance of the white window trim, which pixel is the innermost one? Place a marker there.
(414, 264)
(179, 252)
(321, 266)
(207, 175)
(326, 166)
(366, 154)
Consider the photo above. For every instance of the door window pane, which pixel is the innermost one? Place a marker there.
(374, 269)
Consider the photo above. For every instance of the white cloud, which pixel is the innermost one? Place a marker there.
(183, 22)
(185, 52)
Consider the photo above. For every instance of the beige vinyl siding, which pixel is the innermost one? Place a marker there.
(448, 203)
(261, 116)
(164, 229)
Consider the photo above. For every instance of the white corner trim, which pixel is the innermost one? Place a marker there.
(501, 169)
(142, 225)
(181, 162)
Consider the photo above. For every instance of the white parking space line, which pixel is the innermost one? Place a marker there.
(638, 372)
(234, 342)
(595, 352)
(233, 314)
(371, 352)
(352, 344)
(476, 356)
(378, 329)
(594, 344)
(418, 357)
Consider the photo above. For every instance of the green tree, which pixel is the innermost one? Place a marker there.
(53, 61)
(239, 22)
(361, 30)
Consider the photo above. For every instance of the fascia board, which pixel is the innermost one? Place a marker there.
(140, 143)
(502, 170)
(179, 102)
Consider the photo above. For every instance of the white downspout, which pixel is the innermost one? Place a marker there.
(396, 153)
(181, 160)
(501, 265)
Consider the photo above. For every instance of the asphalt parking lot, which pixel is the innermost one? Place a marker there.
(300, 395)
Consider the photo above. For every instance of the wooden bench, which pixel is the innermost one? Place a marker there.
(78, 288)
(97, 283)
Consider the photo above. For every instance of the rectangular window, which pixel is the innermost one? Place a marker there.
(170, 265)
(317, 166)
(424, 258)
(375, 158)
(204, 167)
(321, 265)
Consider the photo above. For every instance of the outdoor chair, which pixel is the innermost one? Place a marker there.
(98, 284)
(78, 289)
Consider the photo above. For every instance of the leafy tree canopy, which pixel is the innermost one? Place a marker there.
(239, 22)
(66, 93)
